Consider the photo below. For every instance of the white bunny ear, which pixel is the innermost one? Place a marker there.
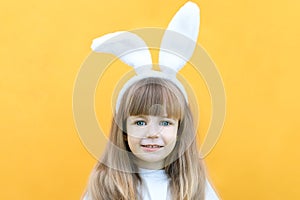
(129, 47)
(180, 38)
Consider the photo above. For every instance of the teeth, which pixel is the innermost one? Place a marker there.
(151, 146)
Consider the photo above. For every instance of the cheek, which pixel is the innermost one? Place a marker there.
(170, 135)
(136, 132)
(132, 142)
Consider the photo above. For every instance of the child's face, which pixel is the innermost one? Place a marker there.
(151, 139)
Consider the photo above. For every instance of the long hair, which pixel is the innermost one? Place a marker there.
(115, 175)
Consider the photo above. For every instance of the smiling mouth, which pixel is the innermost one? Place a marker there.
(152, 146)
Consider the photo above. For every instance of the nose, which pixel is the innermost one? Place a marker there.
(154, 131)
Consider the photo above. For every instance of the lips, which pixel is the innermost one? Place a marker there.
(151, 147)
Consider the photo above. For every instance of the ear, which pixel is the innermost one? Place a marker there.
(180, 39)
(128, 47)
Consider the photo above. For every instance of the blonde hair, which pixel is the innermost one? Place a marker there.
(115, 175)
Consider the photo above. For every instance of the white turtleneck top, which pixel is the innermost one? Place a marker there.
(156, 186)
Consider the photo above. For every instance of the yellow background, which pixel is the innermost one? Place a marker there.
(255, 45)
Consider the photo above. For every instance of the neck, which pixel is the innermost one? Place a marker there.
(149, 165)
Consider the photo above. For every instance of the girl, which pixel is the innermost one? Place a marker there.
(156, 155)
(152, 153)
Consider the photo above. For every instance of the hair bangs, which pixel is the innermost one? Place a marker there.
(156, 97)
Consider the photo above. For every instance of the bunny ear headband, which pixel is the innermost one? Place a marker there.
(173, 55)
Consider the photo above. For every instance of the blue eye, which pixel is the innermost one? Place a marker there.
(164, 123)
(140, 123)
